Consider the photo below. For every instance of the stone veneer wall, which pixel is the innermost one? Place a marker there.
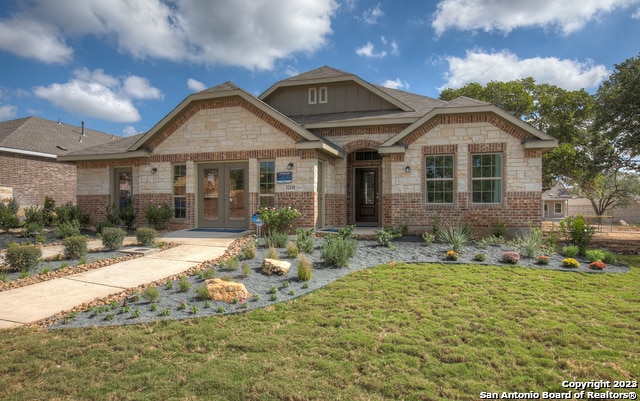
(32, 178)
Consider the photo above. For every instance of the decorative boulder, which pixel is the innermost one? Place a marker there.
(228, 291)
(272, 266)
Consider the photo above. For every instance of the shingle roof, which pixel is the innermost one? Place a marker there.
(36, 134)
(116, 147)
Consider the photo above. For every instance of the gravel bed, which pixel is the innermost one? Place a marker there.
(175, 304)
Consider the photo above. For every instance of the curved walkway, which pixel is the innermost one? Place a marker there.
(38, 301)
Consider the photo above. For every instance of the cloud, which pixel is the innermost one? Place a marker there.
(506, 15)
(196, 85)
(371, 15)
(369, 51)
(129, 131)
(396, 84)
(246, 33)
(636, 14)
(7, 112)
(482, 67)
(96, 94)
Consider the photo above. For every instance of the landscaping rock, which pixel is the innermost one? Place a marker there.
(272, 266)
(227, 291)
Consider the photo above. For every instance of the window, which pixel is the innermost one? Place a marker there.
(313, 95)
(486, 177)
(322, 94)
(557, 208)
(367, 155)
(267, 183)
(180, 191)
(439, 179)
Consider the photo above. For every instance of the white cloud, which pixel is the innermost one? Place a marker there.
(96, 94)
(482, 67)
(505, 15)
(7, 112)
(129, 131)
(196, 85)
(396, 84)
(247, 33)
(368, 50)
(636, 14)
(371, 15)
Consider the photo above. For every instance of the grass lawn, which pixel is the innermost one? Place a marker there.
(415, 332)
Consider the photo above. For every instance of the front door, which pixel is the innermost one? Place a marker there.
(367, 196)
(222, 200)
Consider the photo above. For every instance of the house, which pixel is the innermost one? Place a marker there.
(555, 202)
(341, 149)
(29, 148)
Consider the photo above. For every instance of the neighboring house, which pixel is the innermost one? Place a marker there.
(29, 148)
(555, 202)
(342, 150)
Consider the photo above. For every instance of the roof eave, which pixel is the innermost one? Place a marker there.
(142, 153)
(360, 122)
(28, 152)
(321, 146)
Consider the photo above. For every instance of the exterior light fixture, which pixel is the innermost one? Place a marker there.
(290, 166)
(407, 169)
(154, 170)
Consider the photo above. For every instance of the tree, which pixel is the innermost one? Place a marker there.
(606, 191)
(618, 107)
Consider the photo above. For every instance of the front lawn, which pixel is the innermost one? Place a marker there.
(398, 331)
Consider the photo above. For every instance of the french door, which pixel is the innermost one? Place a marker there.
(222, 195)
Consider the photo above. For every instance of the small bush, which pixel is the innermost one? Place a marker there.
(384, 237)
(597, 265)
(22, 257)
(595, 255)
(246, 269)
(570, 262)
(304, 268)
(146, 236)
(511, 257)
(279, 220)
(31, 229)
(75, 247)
(248, 250)
(158, 216)
(480, 257)
(184, 285)
(209, 272)
(578, 232)
(499, 229)
(102, 224)
(490, 241)
(292, 250)
(233, 264)
(346, 232)
(127, 215)
(304, 241)
(151, 294)
(69, 212)
(455, 236)
(337, 250)
(203, 293)
(68, 229)
(35, 214)
(530, 242)
(112, 238)
(452, 255)
(428, 238)
(570, 251)
(9, 215)
(276, 239)
(543, 260)
(272, 253)
(609, 257)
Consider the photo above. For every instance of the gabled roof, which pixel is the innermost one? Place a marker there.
(325, 75)
(46, 138)
(116, 149)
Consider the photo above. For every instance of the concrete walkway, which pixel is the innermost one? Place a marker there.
(38, 301)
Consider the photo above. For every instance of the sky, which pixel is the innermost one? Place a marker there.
(121, 65)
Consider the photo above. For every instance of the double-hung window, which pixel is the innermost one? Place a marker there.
(180, 191)
(486, 177)
(439, 179)
(267, 183)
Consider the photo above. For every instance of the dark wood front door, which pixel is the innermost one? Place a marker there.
(367, 195)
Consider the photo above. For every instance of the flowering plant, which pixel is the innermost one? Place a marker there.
(511, 257)
(279, 220)
(597, 265)
(570, 262)
(452, 255)
(158, 216)
(543, 260)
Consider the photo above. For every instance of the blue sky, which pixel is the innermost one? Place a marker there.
(122, 65)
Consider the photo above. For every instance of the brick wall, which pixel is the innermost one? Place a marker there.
(32, 178)
(94, 205)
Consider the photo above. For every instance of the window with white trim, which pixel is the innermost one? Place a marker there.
(313, 95)
(486, 178)
(180, 191)
(322, 94)
(557, 208)
(439, 179)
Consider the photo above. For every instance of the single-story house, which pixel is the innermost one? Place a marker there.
(29, 149)
(339, 148)
(555, 202)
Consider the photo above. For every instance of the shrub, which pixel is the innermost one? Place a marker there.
(570, 251)
(304, 268)
(530, 243)
(146, 236)
(183, 284)
(272, 253)
(480, 257)
(113, 215)
(276, 239)
(113, 237)
(128, 214)
(455, 236)
(337, 251)
(248, 250)
(158, 216)
(203, 293)
(75, 247)
(68, 228)
(209, 272)
(279, 220)
(304, 241)
(233, 264)
(9, 214)
(543, 260)
(151, 294)
(30, 229)
(35, 214)
(570, 262)
(347, 231)
(578, 232)
(511, 257)
(246, 269)
(428, 238)
(597, 265)
(384, 237)
(22, 257)
(452, 255)
(292, 250)
(490, 241)
(69, 212)
(609, 257)
(499, 229)
(595, 255)
(102, 224)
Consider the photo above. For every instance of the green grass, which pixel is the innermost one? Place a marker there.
(415, 332)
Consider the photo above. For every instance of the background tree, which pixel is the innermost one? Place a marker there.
(607, 191)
